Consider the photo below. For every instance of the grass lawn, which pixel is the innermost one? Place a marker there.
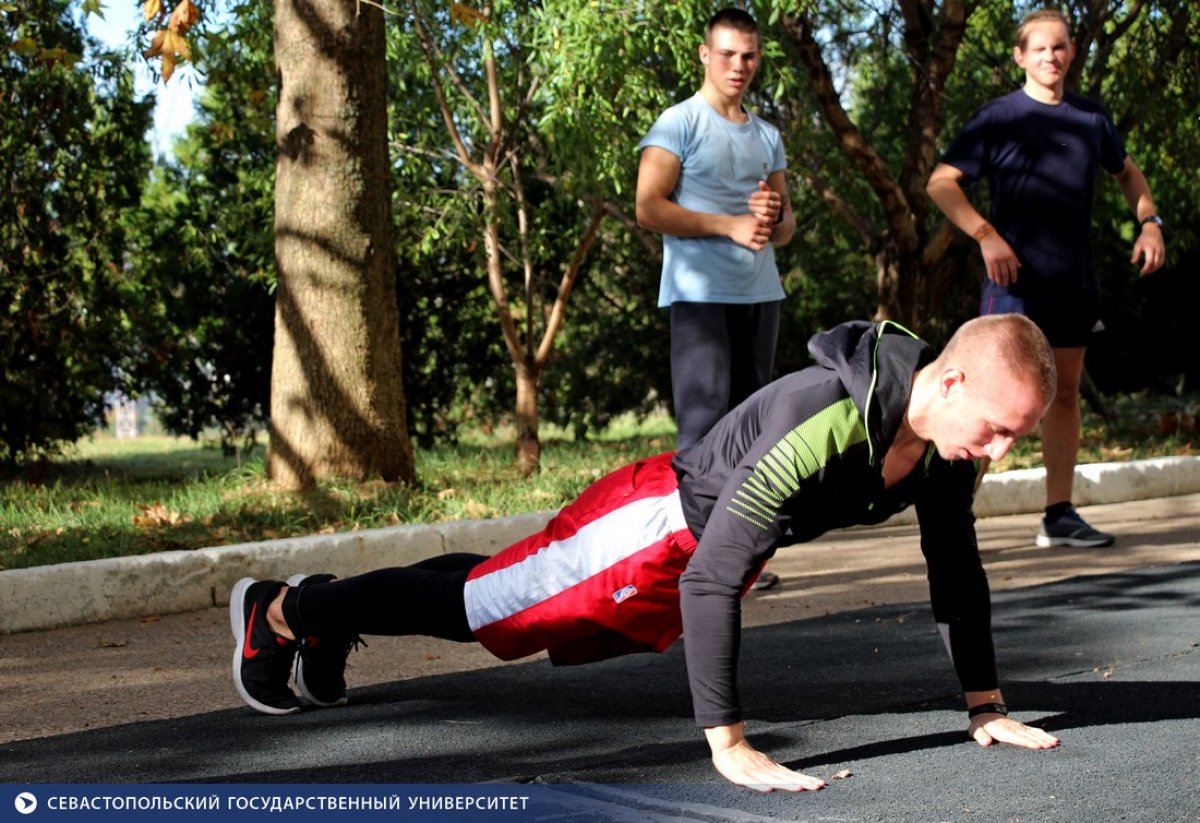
(109, 497)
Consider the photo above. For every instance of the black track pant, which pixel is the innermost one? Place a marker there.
(720, 355)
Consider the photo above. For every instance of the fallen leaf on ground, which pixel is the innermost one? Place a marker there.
(157, 515)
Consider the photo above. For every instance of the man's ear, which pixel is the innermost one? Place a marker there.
(951, 382)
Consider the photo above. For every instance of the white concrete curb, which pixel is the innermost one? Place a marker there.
(46, 597)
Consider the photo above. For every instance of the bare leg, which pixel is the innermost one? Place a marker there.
(275, 616)
(1060, 428)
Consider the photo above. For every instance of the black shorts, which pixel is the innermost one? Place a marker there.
(1067, 316)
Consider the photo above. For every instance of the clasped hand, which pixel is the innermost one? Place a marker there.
(753, 230)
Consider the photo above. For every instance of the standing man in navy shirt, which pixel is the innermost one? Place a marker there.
(1041, 149)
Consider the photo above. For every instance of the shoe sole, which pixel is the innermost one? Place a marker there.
(295, 580)
(765, 582)
(1046, 542)
(237, 622)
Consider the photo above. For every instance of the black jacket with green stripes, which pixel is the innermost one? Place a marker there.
(805, 455)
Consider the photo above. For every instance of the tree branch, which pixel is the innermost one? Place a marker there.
(568, 282)
(428, 50)
(855, 146)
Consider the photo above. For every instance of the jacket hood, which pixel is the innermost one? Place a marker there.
(876, 363)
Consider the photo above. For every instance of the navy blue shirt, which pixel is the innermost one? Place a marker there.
(1041, 163)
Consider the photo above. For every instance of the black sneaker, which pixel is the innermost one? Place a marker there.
(321, 668)
(1072, 530)
(262, 659)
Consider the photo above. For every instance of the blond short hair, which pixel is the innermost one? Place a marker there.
(1040, 16)
(1011, 342)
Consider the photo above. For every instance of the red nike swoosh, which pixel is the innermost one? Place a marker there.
(248, 651)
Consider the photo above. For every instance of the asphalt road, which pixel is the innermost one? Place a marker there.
(1110, 664)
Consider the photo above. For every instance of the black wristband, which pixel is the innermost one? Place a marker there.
(987, 708)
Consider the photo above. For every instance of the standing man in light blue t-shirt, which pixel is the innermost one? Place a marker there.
(712, 181)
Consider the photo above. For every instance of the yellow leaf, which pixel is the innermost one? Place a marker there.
(183, 16)
(156, 44)
(464, 14)
(158, 514)
(176, 44)
(151, 9)
(168, 66)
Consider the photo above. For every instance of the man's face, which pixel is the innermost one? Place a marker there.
(983, 416)
(730, 58)
(1047, 54)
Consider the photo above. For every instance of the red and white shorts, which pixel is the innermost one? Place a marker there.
(601, 579)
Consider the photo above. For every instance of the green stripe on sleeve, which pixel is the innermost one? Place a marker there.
(801, 453)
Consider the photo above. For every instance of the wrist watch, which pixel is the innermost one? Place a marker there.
(1154, 218)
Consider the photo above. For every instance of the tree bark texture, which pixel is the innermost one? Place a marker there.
(337, 401)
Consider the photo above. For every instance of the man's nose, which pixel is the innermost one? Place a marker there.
(998, 447)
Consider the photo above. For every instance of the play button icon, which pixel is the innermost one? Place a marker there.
(25, 803)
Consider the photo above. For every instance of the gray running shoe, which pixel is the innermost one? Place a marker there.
(1072, 530)
(766, 580)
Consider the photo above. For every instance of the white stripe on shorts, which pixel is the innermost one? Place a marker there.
(564, 563)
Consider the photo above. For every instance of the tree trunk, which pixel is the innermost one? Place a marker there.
(901, 287)
(529, 447)
(337, 402)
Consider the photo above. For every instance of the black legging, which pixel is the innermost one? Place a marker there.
(425, 598)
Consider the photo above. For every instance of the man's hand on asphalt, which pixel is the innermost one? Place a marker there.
(741, 763)
(996, 728)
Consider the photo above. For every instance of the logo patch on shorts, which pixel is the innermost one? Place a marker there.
(624, 593)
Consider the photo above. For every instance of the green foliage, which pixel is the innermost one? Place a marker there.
(455, 367)
(608, 70)
(72, 157)
(199, 281)
(115, 498)
(205, 250)
(597, 89)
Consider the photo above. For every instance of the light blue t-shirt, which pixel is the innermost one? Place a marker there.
(722, 163)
